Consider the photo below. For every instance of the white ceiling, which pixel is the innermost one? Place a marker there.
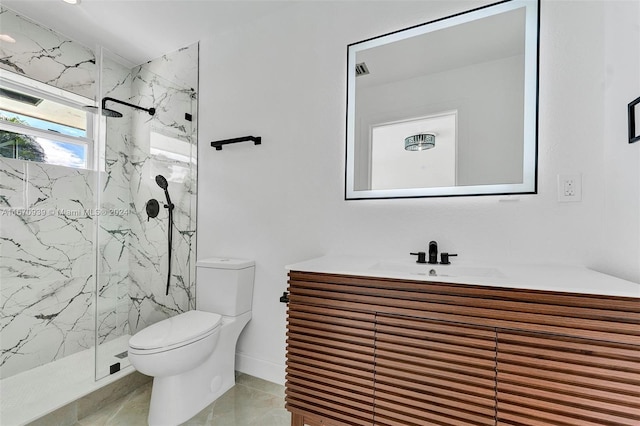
(482, 40)
(141, 30)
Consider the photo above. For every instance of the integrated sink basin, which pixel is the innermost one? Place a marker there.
(429, 270)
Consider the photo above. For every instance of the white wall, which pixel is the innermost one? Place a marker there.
(621, 230)
(284, 77)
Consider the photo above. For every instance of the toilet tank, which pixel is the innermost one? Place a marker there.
(224, 285)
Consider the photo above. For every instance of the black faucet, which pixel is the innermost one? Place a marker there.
(433, 253)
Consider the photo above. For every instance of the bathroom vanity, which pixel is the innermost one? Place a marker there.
(397, 343)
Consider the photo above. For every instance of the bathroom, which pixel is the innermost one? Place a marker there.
(280, 73)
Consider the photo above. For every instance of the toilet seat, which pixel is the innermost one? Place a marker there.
(175, 332)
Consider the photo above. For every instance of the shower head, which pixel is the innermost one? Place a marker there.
(113, 113)
(105, 111)
(162, 182)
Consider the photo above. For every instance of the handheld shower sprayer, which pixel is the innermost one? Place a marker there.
(163, 184)
(153, 208)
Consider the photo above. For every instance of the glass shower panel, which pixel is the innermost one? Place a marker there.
(113, 233)
(133, 258)
(46, 204)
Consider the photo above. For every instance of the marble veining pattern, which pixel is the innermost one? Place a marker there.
(47, 256)
(164, 145)
(133, 252)
(44, 55)
(47, 264)
(114, 231)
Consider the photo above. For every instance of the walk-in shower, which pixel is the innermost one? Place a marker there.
(80, 266)
(144, 149)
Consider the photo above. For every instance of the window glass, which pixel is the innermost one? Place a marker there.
(43, 150)
(36, 128)
(43, 124)
(21, 147)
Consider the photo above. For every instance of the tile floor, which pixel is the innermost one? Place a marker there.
(251, 402)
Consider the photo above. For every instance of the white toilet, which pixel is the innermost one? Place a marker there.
(191, 356)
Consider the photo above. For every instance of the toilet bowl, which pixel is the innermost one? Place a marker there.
(191, 356)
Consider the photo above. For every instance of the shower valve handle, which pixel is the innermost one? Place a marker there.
(153, 208)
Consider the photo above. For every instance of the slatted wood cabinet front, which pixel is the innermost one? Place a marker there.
(372, 351)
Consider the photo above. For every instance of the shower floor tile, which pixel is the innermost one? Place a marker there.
(251, 402)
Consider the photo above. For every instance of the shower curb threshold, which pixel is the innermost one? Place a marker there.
(30, 395)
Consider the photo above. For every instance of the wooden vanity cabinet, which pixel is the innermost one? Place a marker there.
(373, 351)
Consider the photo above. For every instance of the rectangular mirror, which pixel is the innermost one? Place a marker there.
(446, 108)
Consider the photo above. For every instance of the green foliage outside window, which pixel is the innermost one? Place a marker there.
(19, 146)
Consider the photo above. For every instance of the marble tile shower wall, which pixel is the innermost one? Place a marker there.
(165, 145)
(46, 56)
(47, 261)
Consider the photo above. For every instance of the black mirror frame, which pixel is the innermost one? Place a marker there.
(631, 110)
(531, 181)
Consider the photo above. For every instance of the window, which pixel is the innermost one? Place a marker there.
(44, 124)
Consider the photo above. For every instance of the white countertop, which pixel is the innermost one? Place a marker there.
(571, 279)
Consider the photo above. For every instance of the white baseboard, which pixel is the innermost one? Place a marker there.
(260, 368)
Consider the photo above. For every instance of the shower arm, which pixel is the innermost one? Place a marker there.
(151, 111)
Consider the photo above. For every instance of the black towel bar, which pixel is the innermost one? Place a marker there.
(257, 140)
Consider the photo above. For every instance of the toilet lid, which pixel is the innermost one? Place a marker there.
(181, 328)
